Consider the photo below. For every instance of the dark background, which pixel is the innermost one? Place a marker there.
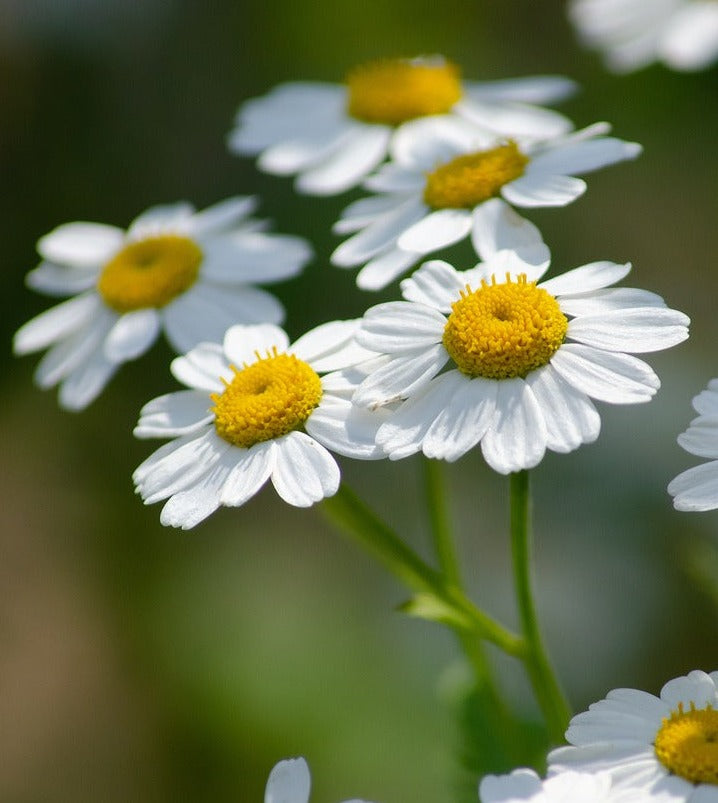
(146, 664)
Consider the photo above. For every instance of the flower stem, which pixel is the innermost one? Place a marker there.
(366, 529)
(543, 679)
(439, 522)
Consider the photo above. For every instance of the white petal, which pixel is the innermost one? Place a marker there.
(325, 340)
(252, 469)
(132, 334)
(402, 377)
(466, 417)
(496, 226)
(243, 343)
(607, 376)
(396, 180)
(223, 215)
(345, 168)
(162, 219)
(424, 143)
(697, 687)
(86, 382)
(609, 300)
(380, 271)
(398, 326)
(81, 245)
(516, 120)
(634, 330)
(520, 785)
(690, 42)
(583, 157)
(534, 89)
(174, 414)
(570, 417)
(379, 235)
(178, 464)
(517, 438)
(536, 190)
(706, 402)
(56, 323)
(593, 276)
(506, 261)
(437, 230)
(304, 471)
(288, 782)
(57, 280)
(362, 212)
(345, 428)
(436, 284)
(202, 367)
(245, 257)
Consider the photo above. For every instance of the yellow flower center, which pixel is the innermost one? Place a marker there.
(150, 272)
(266, 399)
(687, 744)
(470, 179)
(504, 330)
(392, 91)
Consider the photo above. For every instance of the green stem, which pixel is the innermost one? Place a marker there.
(439, 522)
(366, 529)
(543, 679)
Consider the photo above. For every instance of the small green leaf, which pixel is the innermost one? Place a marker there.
(425, 605)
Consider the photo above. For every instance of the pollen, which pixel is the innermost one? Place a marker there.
(266, 400)
(392, 91)
(687, 744)
(470, 179)
(499, 331)
(150, 272)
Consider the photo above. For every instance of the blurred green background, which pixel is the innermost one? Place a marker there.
(141, 663)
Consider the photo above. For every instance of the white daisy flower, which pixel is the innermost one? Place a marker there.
(697, 488)
(664, 747)
(289, 782)
(683, 34)
(488, 355)
(449, 180)
(524, 786)
(257, 409)
(332, 135)
(185, 272)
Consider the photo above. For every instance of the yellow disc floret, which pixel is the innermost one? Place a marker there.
(392, 91)
(506, 330)
(470, 179)
(266, 400)
(687, 744)
(150, 272)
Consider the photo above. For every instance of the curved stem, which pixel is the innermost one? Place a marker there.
(543, 679)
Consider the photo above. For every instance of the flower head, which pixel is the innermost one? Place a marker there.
(331, 136)
(258, 408)
(524, 786)
(683, 34)
(492, 356)
(448, 180)
(185, 272)
(660, 748)
(697, 488)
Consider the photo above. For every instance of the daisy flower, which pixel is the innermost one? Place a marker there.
(448, 180)
(524, 786)
(185, 272)
(332, 135)
(256, 409)
(289, 782)
(683, 34)
(664, 747)
(489, 355)
(697, 488)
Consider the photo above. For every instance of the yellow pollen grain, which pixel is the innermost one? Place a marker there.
(392, 91)
(266, 400)
(687, 744)
(473, 178)
(150, 272)
(499, 331)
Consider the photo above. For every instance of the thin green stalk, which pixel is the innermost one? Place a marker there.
(543, 679)
(439, 522)
(366, 529)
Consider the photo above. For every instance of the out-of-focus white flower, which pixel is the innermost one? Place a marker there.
(289, 782)
(683, 34)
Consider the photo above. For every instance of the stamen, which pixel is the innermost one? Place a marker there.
(687, 744)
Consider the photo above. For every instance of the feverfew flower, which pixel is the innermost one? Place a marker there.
(257, 409)
(697, 488)
(683, 34)
(524, 786)
(333, 135)
(662, 749)
(488, 355)
(449, 180)
(185, 272)
(289, 782)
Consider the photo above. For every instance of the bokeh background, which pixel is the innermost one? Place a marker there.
(141, 663)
